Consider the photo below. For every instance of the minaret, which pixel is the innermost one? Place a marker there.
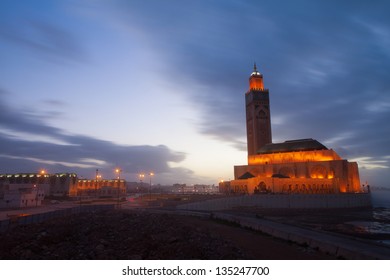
(258, 114)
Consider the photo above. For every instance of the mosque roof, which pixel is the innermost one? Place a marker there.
(292, 146)
(246, 175)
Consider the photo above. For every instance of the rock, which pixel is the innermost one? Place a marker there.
(135, 257)
(99, 248)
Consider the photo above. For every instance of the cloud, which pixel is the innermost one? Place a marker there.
(311, 57)
(53, 149)
(47, 39)
(326, 65)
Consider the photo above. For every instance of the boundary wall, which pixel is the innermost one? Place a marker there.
(302, 201)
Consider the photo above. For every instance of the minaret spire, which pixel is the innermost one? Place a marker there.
(255, 72)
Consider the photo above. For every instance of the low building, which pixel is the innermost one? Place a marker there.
(22, 197)
(105, 188)
(58, 184)
(17, 190)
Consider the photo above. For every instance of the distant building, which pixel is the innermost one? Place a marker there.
(296, 166)
(29, 189)
(194, 189)
(16, 197)
(59, 184)
(106, 188)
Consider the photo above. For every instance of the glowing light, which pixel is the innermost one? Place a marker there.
(308, 156)
(118, 171)
(256, 82)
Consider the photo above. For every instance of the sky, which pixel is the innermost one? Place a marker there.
(158, 86)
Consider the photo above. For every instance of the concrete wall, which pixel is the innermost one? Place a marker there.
(283, 201)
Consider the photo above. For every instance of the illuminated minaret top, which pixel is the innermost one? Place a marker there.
(258, 113)
(256, 80)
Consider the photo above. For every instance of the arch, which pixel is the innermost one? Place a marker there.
(261, 114)
(318, 172)
(331, 173)
(260, 188)
(287, 172)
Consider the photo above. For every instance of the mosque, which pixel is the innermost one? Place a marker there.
(303, 166)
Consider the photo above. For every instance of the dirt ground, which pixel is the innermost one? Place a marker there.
(135, 234)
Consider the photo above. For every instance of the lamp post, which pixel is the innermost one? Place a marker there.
(150, 185)
(96, 181)
(141, 177)
(41, 173)
(36, 195)
(118, 172)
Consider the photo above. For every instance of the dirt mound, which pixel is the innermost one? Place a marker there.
(125, 234)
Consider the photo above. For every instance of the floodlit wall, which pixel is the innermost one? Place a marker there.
(59, 184)
(303, 177)
(284, 185)
(101, 187)
(292, 157)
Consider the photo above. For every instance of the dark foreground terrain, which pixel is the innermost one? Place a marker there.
(364, 223)
(125, 234)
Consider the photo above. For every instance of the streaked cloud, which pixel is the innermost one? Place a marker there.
(59, 152)
(47, 39)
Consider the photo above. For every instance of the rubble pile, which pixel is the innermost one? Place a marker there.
(116, 235)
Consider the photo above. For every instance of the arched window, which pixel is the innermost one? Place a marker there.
(318, 172)
(261, 114)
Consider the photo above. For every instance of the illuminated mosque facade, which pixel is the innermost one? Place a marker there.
(296, 166)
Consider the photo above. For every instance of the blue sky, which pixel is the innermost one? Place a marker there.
(159, 85)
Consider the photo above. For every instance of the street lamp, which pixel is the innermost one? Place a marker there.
(141, 177)
(118, 171)
(36, 195)
(36, 186)
(150, 184)
(96, 181)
